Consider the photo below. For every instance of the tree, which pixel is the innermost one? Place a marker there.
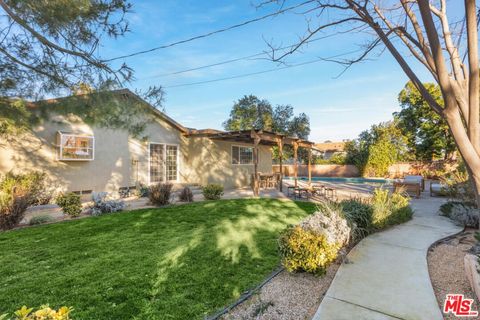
(376, 149)
(409, 30)
(427, 133)
(250, 113)
(49, 47)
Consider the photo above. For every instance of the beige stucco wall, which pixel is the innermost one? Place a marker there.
(114, 151)
(201, 160)
(210, 161)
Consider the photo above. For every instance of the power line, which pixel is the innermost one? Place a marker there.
(244, 23)
(260, 72)
(229, 61)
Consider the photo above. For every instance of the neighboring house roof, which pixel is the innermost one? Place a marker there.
(331, 146)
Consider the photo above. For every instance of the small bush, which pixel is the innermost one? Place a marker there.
(359, 213)
(43, 313)
(186, 195)
(102, 205)
(41, 220)
(17, 193)
(463, 213)
(330, 222)
(12, 208)
(212, 191)
(306, 250)
(143, 190)
(389, 209)
(34, 182)
(160, 194)
(70, 204)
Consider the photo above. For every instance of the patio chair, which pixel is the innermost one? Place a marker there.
(415, 179)
(408, 187)
(437, 188)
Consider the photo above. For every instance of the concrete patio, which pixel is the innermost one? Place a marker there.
(387, 274)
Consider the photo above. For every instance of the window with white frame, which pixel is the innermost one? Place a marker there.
(242, 155)
(75, 147)
(163, 162)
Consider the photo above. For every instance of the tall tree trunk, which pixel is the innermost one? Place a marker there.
(466, 148)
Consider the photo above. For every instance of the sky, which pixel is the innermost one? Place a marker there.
(339, 107)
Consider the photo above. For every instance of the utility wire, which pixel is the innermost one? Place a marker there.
(244, 23)
(260, 72)
(229, 61)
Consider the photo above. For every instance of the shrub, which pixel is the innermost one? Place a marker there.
(359, 213)
(186, 195)
(463, 213)
(17, 193)
(34, 182)
(102, 205)
(313, 244)
(389, 209)
(143, 190)
(306, 250)
(70, 204)
(12, 208)
(212, 191)
(329, 221)
(41, 220)
(159, 194)
(43, 313)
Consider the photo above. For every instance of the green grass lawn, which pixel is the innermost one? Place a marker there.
(181, 262)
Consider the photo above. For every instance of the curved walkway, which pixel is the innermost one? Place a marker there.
(387, 274)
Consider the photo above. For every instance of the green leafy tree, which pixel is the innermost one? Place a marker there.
(428, 135)
(378, 148)
(52, 46)
(250, 112)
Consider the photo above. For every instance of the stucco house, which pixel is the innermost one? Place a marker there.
(87, 145)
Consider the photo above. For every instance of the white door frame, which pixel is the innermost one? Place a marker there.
(164, 160)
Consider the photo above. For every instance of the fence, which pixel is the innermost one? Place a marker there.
(397, 170)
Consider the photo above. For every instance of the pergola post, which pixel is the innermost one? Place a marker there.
(280, 154)
(295, 162)
(256, 184)
(310, 166)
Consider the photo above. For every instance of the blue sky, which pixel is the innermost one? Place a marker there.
(339, 108)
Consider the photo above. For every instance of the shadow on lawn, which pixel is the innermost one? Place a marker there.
(218, 259)
(182, 262)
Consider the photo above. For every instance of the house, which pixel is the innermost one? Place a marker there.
(328, 149)
(104, 142)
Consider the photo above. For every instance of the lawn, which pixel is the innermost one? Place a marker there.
(181, 262)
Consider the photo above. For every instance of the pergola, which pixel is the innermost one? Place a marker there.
(261, 137)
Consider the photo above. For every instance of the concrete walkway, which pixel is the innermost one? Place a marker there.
(387, 277)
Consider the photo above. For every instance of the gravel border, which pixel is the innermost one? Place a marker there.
(446, 268)
(287, 296)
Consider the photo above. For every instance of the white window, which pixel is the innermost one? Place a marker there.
(75, 147)
(242, 155)
(163, 163)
